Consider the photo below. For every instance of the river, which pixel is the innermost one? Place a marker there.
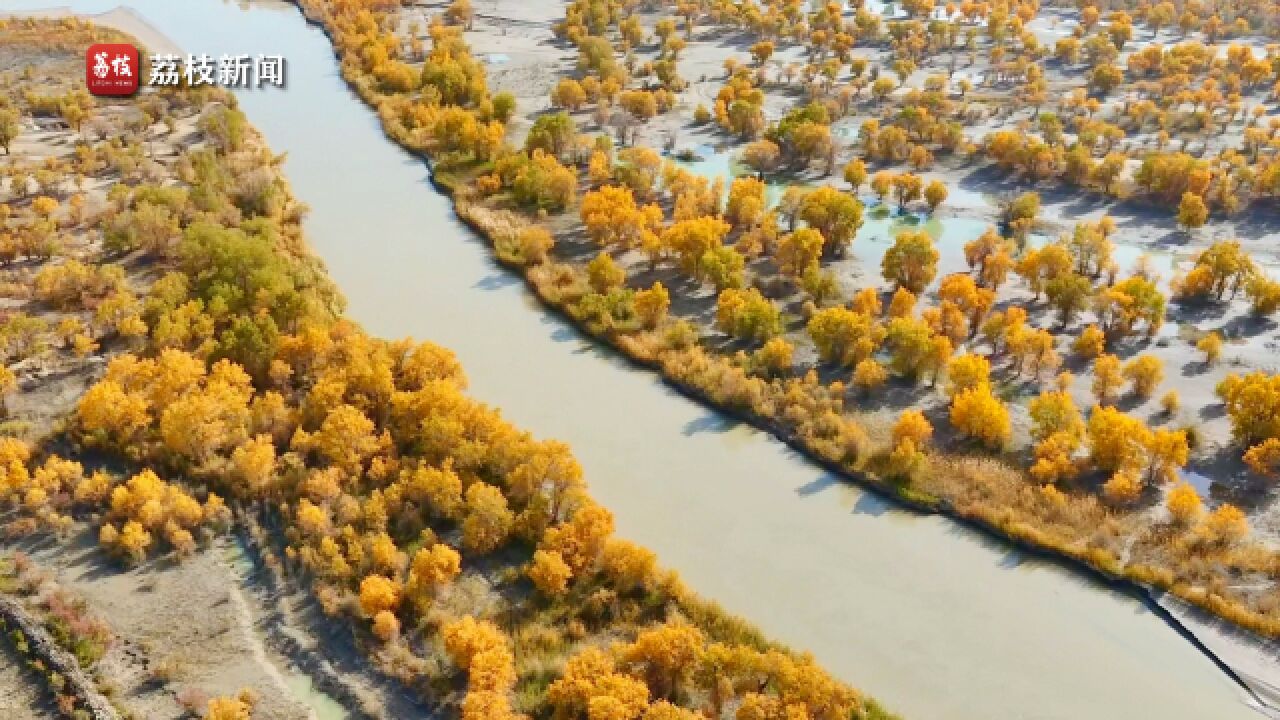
(933, 619)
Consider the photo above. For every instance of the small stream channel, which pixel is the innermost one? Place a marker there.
(301, 687)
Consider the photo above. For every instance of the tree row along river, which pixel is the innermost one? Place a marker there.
(935, 620)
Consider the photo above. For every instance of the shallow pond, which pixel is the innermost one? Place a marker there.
(883, 221)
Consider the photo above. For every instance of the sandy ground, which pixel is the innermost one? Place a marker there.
(180, 628)
(208, 626)
(21, 695)
(123, 19)
(51, 381)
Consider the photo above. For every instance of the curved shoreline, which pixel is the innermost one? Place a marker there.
(1124, 582)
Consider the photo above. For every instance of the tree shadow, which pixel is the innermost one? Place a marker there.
(1192, 368)
(711, 422)
(496, 281)
(873, 505)
(1229, 480)
(1212, 412)
(1248, 325)
(817, 485)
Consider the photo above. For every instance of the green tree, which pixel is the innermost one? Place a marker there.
(912, 262)
(836, 215)
(844, 336)
(1069, 293)
(553, 134)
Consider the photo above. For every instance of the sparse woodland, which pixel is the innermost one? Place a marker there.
(740, 297)
(467, 556)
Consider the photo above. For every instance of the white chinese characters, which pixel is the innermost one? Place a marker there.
(164, 70)
(231, 71)
(100, 67)
(120, 65)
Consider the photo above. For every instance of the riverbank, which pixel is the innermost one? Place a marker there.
(22, 692)
(1236, 643)
(1105, 563)
(1253, 659)
(72, 306)
(547, 628)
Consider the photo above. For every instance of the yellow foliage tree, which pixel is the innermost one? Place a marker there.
(870, 374)
(628, 565)
(1167, 451)
(1211, 346)
(902, 304)
(1123, 487)
(431, 569)
(1090, 343)
(1184, 504)
(979, 414)
(1264, 458)
(549, 572)
(378, 594)
(1226, 525)
(580, 541)
(844, 336)
(1054, 457)
(488, 519)
(1055, 412)
(133, 540)
(775, 357)
(798, 251)
(467, 638)
(1117, 441)
(107, 413)
(228, 708)
(385, 626)
(1145, 373)
(666, 655)
(912, 425)
(912, 261)
(253, 464)
(1107, 378)
(1253, 404)
(652, 305)
(968, 371)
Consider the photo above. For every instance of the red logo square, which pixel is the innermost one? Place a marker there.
(112, 69)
